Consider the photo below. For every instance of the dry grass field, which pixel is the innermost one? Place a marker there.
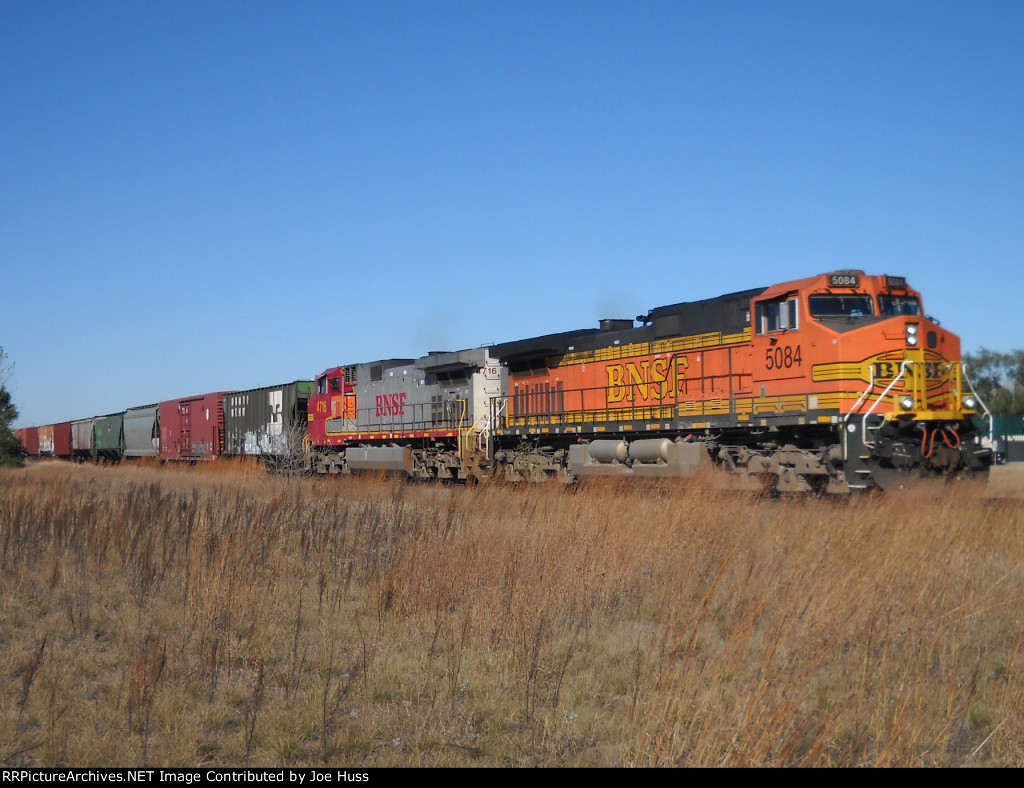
(219, 616)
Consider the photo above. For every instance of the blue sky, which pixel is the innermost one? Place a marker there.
(203, 196)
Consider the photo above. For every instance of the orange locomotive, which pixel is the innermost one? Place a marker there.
(831, 383)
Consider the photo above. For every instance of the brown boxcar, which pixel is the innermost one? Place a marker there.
(62, 439)
(192, 428)
(29, 437)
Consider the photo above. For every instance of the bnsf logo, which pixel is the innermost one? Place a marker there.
(887, 370)
(646, 381)
(390, 404)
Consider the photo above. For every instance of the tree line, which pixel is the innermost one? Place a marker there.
(11, 450)
(998, 379)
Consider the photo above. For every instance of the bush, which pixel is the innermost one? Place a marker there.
(12, 453)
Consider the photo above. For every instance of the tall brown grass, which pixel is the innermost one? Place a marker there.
(158, 617)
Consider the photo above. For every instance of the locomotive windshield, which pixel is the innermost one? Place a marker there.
(893, 305)
(834, 305)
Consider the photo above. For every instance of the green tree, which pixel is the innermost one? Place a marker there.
(999, 379)
(12, 453)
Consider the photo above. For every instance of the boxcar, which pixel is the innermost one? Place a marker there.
(62, 439)
(29, 437)
(46, 440)
(266, 421)
(192, 428)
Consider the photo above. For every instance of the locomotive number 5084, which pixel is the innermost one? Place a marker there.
(783, 357)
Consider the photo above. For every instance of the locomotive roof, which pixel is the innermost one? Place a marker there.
(443, 360)
(690, 306)
(726, 313)
(546, 345)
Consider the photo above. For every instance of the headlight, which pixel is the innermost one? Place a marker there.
(911, 334)
(970, 403)
(907, 402)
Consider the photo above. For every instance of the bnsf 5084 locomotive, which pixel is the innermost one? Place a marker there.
(833, 383)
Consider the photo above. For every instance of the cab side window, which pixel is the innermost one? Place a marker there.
(778, 315)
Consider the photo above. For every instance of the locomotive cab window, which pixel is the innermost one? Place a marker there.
(327, 385)
(840, 305)
(780, 315)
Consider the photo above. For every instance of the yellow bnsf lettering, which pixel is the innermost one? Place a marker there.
(887, 370)
(638, 378)
(659, 375)
(647, 380)
(616, 389)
